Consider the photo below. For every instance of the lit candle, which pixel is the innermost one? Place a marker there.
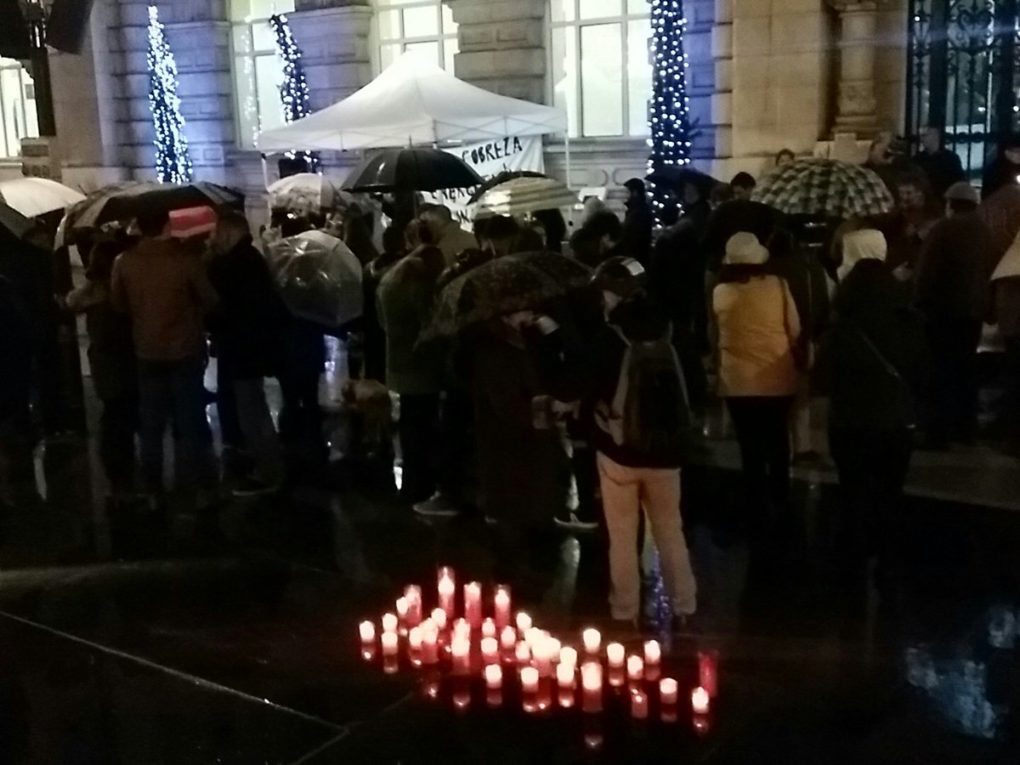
(389, 644)
(523, 653)
(488, 628)
(390, 664)
(592, 639)
(529, 680)
(389, 622)
(591, 685)
(533, 636)
(493, 677)
(508, 639)
(430, 644)
(635, 668)
(447, 588)
(462, 629)
(568, 656)
(523, 622)
(615, 655)
(414, 638)
(473, 604)
(543, 657)
(653, 653)
(460, 650)
(667, 692)
(490, 650)
(565, 676)
(439, 617)
(501, 605)
(412, 593)
(639, 705)
(708, 672)
(367, 632)
(554, 647)
(566, 698)
(402, 608)
(699, 701)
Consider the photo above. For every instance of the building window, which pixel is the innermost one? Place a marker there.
(426, 26)
(258, 70)
(18, 117)
(601, 73)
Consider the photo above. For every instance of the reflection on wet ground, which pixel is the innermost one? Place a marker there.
(127, 639)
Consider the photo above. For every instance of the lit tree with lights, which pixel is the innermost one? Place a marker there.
(173, 160)
(294, 92)
(669, 112)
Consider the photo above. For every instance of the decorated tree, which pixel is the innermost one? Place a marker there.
(294, 93)
(669, 112)
(173, 161)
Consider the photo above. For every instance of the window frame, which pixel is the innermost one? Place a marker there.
(442, 38)
(9, 141)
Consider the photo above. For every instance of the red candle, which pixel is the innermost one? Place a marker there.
(501, 605)
(414, 639)
(592, 640)
(639, 705)
(708, 672)
(447, 588)
(488, 627)
(473, 604)
(508, 639)
(389, 644)
(653, 653)
(699, 701)
(565, 676)
(430, 646)
(490, 650)
(523, 653)
(494, 677)
(615, 655)
(529, 680)
(389, 622)
(635, 669)
(591, 686)
(523, 622)
(367, 632)
(412, 593)
(402, 609)
(460, 650)
(668, 692)
(439, 618)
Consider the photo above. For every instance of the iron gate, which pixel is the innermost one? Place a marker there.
(963, 73)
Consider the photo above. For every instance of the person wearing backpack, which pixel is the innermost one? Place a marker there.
(642, 431)
(759, 329)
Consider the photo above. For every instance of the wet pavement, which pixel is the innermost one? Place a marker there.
(126, 639)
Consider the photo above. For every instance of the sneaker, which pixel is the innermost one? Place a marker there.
(251, 487)
(437, 506)
(573, 523)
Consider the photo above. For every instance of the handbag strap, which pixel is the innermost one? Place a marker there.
(886, 364)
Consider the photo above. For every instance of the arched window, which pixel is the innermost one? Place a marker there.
(600, 69)
(258, 70)
(17, 108)
(418, 25)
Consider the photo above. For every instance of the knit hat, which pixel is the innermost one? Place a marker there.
(744, 249)
(961, 191)
(866, 244)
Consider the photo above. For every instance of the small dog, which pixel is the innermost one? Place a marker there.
(370, 409)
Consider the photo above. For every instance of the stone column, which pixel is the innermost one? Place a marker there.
(334, 39)
(502, 46)
(856, 105)
(722, 98)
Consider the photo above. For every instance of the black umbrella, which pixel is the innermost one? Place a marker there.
(676, 176)
(125, 202)
(496, 180)
(412, 170)
(13, 223)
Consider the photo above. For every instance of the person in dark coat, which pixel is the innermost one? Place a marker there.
(952, 294)
(249, 325)
(942, 167)
(375, 338)
(1003, 169)
(15, 387)
(638, 222)
(871, 363)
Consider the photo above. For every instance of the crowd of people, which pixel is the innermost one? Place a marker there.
(577, 408)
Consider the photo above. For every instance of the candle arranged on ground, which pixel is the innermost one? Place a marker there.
(523, 622)
(501, 605)
(529, 680)
(488, 628)
(460, 650)
(414, 638)
(565, 676)
(367, 632)
(490, 650)
(389, 643)
(412, 594)
(615, 655)
(591, 686)
(667, 692)
(708, 672)
(568, 656)
(554, 646)
(429, 643)
(473, 604)
(461, 629)
(493, 677)
(402, 609)
(447, 589)
(543, 656)
(699, 701)
(653, 653)
(439, 618)
(635, 669)
(592, 640)
(639, 705)
(389, 622)
(522, 653)
(508, 639)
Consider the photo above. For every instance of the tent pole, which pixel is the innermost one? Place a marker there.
(265, 182)
(566, 145)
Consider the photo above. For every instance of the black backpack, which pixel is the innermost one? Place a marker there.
(650, 411)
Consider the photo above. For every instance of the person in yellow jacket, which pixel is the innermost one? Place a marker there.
(758, 327)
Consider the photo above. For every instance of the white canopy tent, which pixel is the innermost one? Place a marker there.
(413, 102)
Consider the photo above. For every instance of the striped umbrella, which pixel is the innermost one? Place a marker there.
(825, 187)
(518, 196)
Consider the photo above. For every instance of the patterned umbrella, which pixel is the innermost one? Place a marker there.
(824, 187)
(501, 286)
(308, 193)
(518, 196)
(1001, 212)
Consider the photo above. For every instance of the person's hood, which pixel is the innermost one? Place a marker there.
(1010, 264)
(639, 320)
(744, 249)
(866, 244)
(869, 288)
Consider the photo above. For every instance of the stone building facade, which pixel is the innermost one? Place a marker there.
(763, 75)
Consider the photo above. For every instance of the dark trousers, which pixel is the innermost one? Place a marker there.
(300, 424)
(689, 346)
(419, 442)
(761, 426)
(226, 407)
(457, 475)
(872, 466)
(172, 391)
(1013, 391)
(118, 424)
(953, 390)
